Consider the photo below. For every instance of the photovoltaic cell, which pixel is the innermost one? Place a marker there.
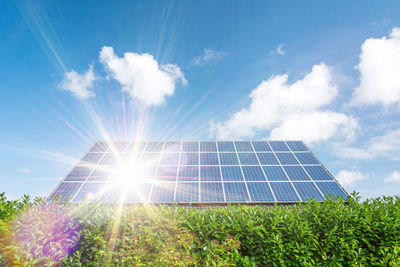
(286, 158)
(65, 191)
(208, 146)
(284, 192)
(210, 173)
(260, 192)
(226, 147)
(296, 146)
(243, 146)
(187, 192)
(231, 173)
(331, 188)
(279, 146)
(209, 159)
(228, 159)
(306, 158)
(253, 173)
(248, 159)
(296, 173)
(198, 172)
(261, 146)
(267, 159)
(307, 190)
(318, 173)
(163, 193)
(236, 192)
(211, 192)
(275, 173)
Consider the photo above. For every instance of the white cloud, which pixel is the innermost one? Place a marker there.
(279, 50)
(345, 177)
(379, 69)
(24, 170)
(351, 152)
(79, 84)
(393, 177)
(141, 76)
(292, 111)
(209, 56)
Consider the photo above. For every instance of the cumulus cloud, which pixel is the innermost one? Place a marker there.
(209, 56)
(379, 69)
(393, 177)
(345, 177)
(291, 111)
(141, 76)
(80, 85)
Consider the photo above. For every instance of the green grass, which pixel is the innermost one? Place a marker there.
(36, 233)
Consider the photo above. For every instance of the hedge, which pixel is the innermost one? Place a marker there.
(332, 233)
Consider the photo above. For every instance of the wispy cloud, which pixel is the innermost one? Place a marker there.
(24, 170)
(141, 76)
(279, 50)
(209, 56)
(80, 85)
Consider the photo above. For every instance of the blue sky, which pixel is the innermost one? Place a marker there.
(72, 72)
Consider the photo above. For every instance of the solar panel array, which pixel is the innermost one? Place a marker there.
(198, 172)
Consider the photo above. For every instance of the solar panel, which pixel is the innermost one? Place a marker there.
(198, 172)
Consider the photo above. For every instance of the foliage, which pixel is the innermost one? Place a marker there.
(330, 233)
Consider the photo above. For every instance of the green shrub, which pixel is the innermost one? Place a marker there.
(330, 233)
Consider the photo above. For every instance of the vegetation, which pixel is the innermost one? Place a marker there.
(37, 233)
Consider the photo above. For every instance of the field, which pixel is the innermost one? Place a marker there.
(37, 233)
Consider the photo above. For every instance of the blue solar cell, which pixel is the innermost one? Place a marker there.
(190, 146)
(261, 146)
(100, 147)
(136, 147)
(79, 173)
(206, 146)
(275, 173)
(189, 159)
(332, 189)
(169, 159)
(307, 190)
(267, 159)
(109, 159)
(188, 173)
(243, 146)
(119, 146)
(296, 173)
(65, 191)
(187, 192)
(296, 145)
(211, 192)
(306, 158)
(253, 173)
(228, 159)
(90, 192)
(100, 175)
(154, 146)
(287, 158)
(260, 192)
(236, 192)
(172, 146)
(167, 173)
(284, 192)
(150, 158)
(318, 173)
(209, 159)
(231, 173)
(248, 159)
(163, 193)
(91, 158)
(226, 147)
(210, 173)
(279, 146)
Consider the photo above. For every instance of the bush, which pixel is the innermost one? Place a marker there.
(307, 234)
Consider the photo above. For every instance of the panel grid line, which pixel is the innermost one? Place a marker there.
(245, 181)
(220, 172)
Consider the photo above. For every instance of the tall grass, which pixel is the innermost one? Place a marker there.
(329, 233)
